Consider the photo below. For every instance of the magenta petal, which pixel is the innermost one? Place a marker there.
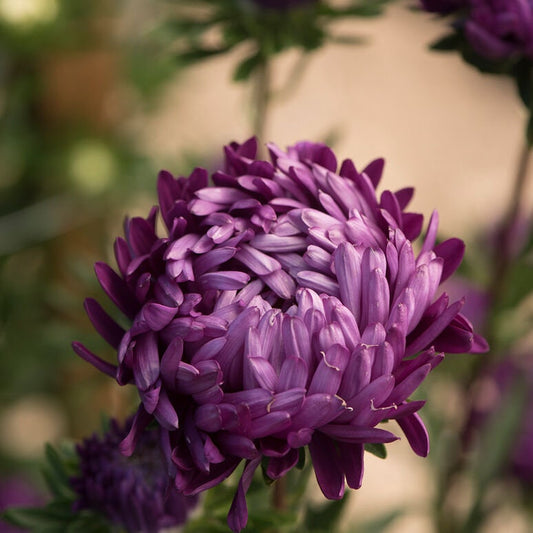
(263, 372)
(146, 360)
(224, 281)
(158, 316)
(103, 323)
(293, 373)
(117, 290)
(358, 434)
(416, 433)
(279, 466)
(239, 445)
(327, 465)
(238, 513)
(140, 421)
(100, 364)
(353, 463)
(452, 252)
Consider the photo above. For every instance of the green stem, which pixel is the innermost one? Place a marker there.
(503, 256)
(261, 97)
(279, 490)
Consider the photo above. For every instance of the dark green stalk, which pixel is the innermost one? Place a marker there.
(261, 97)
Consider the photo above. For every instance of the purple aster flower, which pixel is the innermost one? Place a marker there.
(285, 307)
(492, 390)
(443, 7)
(134, 493)
(498, 29)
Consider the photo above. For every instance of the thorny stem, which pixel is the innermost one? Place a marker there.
(261, 97)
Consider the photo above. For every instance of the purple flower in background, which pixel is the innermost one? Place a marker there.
(443, 6)
(134, 493)
(492, 390)
(498, 29)
(16, 491)
(285, 307)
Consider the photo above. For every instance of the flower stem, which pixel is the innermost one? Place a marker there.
(261, 97)
(279, 500)
(504, 253)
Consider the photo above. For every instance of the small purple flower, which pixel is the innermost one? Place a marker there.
(284, 308)
(134, 493)
(498, 29)
(492, 390)
(443, 7)
(16, 491)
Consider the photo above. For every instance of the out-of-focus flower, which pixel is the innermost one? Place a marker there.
(284, 308)
(134, 492)
(16, 491)
(493, 389)
(443, 6)
(497, 29)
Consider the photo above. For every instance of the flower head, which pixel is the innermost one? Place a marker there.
(498, 29)
(284, 308)
(134, 492)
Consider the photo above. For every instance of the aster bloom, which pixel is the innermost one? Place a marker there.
(443, 7)
(134, 493)
(285, 307)
(16, 491)
(493, 389)
(498, 29)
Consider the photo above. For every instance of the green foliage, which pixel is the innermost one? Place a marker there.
(324, 517)
(376, 448)
(268, 31)
(58, 515)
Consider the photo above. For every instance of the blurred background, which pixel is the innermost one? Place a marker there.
(91, 108)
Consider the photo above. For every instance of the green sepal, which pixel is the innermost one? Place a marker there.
(325, 517)
(376, 448)
(247, 67)
(449, 42)
(301, 458)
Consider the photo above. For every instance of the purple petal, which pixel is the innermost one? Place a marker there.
(293, 373)
(103, 323)
(146, 360)
(327, 466)
(140, 421)
(416, 433)
(224, 281)
(116, 289)
(93, 359)
(352, 460)
(158, 316)
(238, 513)
(452, 252)
(347, 264)
(269, 424)
(358, 434)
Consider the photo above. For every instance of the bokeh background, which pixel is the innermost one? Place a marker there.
(91, 108)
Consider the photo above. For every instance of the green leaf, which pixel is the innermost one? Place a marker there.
(323, 518)
(246, 67)
(449, 42)
(38, 519)
(529, 130)
(379, 524)
(500, 433)
(301, 459)
(376, 448)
